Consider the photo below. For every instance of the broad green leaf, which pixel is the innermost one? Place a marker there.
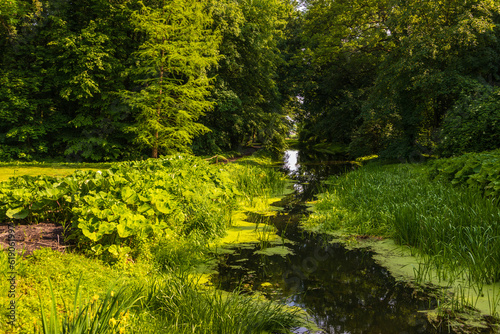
(17, 213)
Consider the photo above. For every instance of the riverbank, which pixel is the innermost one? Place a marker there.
(448, 235)
(147, 274)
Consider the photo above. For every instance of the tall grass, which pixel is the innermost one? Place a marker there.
(455, 227)
(254, 181)
(169, 303)
(108, 314)
(177, 305)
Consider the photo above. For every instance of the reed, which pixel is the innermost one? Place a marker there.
(108, 314)
(177, 305)
(455, 227)
(172, 302)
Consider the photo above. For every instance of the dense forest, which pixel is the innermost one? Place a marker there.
(99, 80)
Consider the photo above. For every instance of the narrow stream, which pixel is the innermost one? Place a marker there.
(343, 291)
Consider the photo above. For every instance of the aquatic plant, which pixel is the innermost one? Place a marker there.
(176, 304)
(455, 227)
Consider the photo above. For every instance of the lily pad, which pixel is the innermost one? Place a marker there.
(279, 250)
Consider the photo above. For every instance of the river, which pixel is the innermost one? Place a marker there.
(342, 291)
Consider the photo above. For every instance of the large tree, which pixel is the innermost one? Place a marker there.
(383, 74)
(170, 71)
(442, 51)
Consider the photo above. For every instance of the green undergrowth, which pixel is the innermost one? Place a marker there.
(113, 212)
(262, 158)
(70, 293)
(453, 229)
(143, 234)
(479, 171)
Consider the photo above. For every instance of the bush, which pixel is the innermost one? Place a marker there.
(477, 170)
(473, 125)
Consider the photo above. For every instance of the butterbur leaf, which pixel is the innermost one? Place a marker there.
(39, 205)
(18, 213)
(123, 231)
(163, 207)
(113, 249)
(118, 250)
(129, 196)
(91, 235)
(97, 249)
(145, 209)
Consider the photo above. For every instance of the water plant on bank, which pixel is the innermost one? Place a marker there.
(108, 314)
(112, 211)
(454, 227)
(87, 296)
(171, 303)
(480, 171)
(159, 212)
(175, 304)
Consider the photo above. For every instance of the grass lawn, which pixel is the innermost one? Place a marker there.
(54, 169)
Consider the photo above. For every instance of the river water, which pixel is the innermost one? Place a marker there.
(343, 291)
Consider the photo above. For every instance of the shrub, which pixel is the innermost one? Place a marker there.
(473, 125)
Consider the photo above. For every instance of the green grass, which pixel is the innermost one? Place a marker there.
(72, 293)
(175, 304)
(455, 227)
(69, 293)
(8, 170)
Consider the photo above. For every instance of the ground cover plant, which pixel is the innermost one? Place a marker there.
(111, 211)
(477, 170)
(141, 231)
(453, 228)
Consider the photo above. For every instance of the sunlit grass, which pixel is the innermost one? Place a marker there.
(58, 170)
(141, 298)
(455, 227)
(175, 304)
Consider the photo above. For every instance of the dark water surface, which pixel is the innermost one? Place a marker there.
(344, 291)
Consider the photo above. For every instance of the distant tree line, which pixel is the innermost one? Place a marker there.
(100, 80)
(399, 77)
(105, 80)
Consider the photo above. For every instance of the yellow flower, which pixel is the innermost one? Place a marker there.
(122, 330)
(112, 293)
(95, 298)
(112, 322)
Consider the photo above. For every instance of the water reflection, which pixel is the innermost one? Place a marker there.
(344, 291)
(290, 162)
(308, 169)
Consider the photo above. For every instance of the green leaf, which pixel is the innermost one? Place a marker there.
(113, 249)
(17, 213)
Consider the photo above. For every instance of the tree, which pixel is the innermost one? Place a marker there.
(384, 73)
(170, 71)
(344, 42)
(442, 49)
(246, 95)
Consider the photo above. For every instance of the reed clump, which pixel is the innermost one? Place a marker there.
(455, 227)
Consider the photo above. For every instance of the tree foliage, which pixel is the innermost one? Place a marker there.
(171, 73)
(128, 78)
(247, 99)
(385, 73)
